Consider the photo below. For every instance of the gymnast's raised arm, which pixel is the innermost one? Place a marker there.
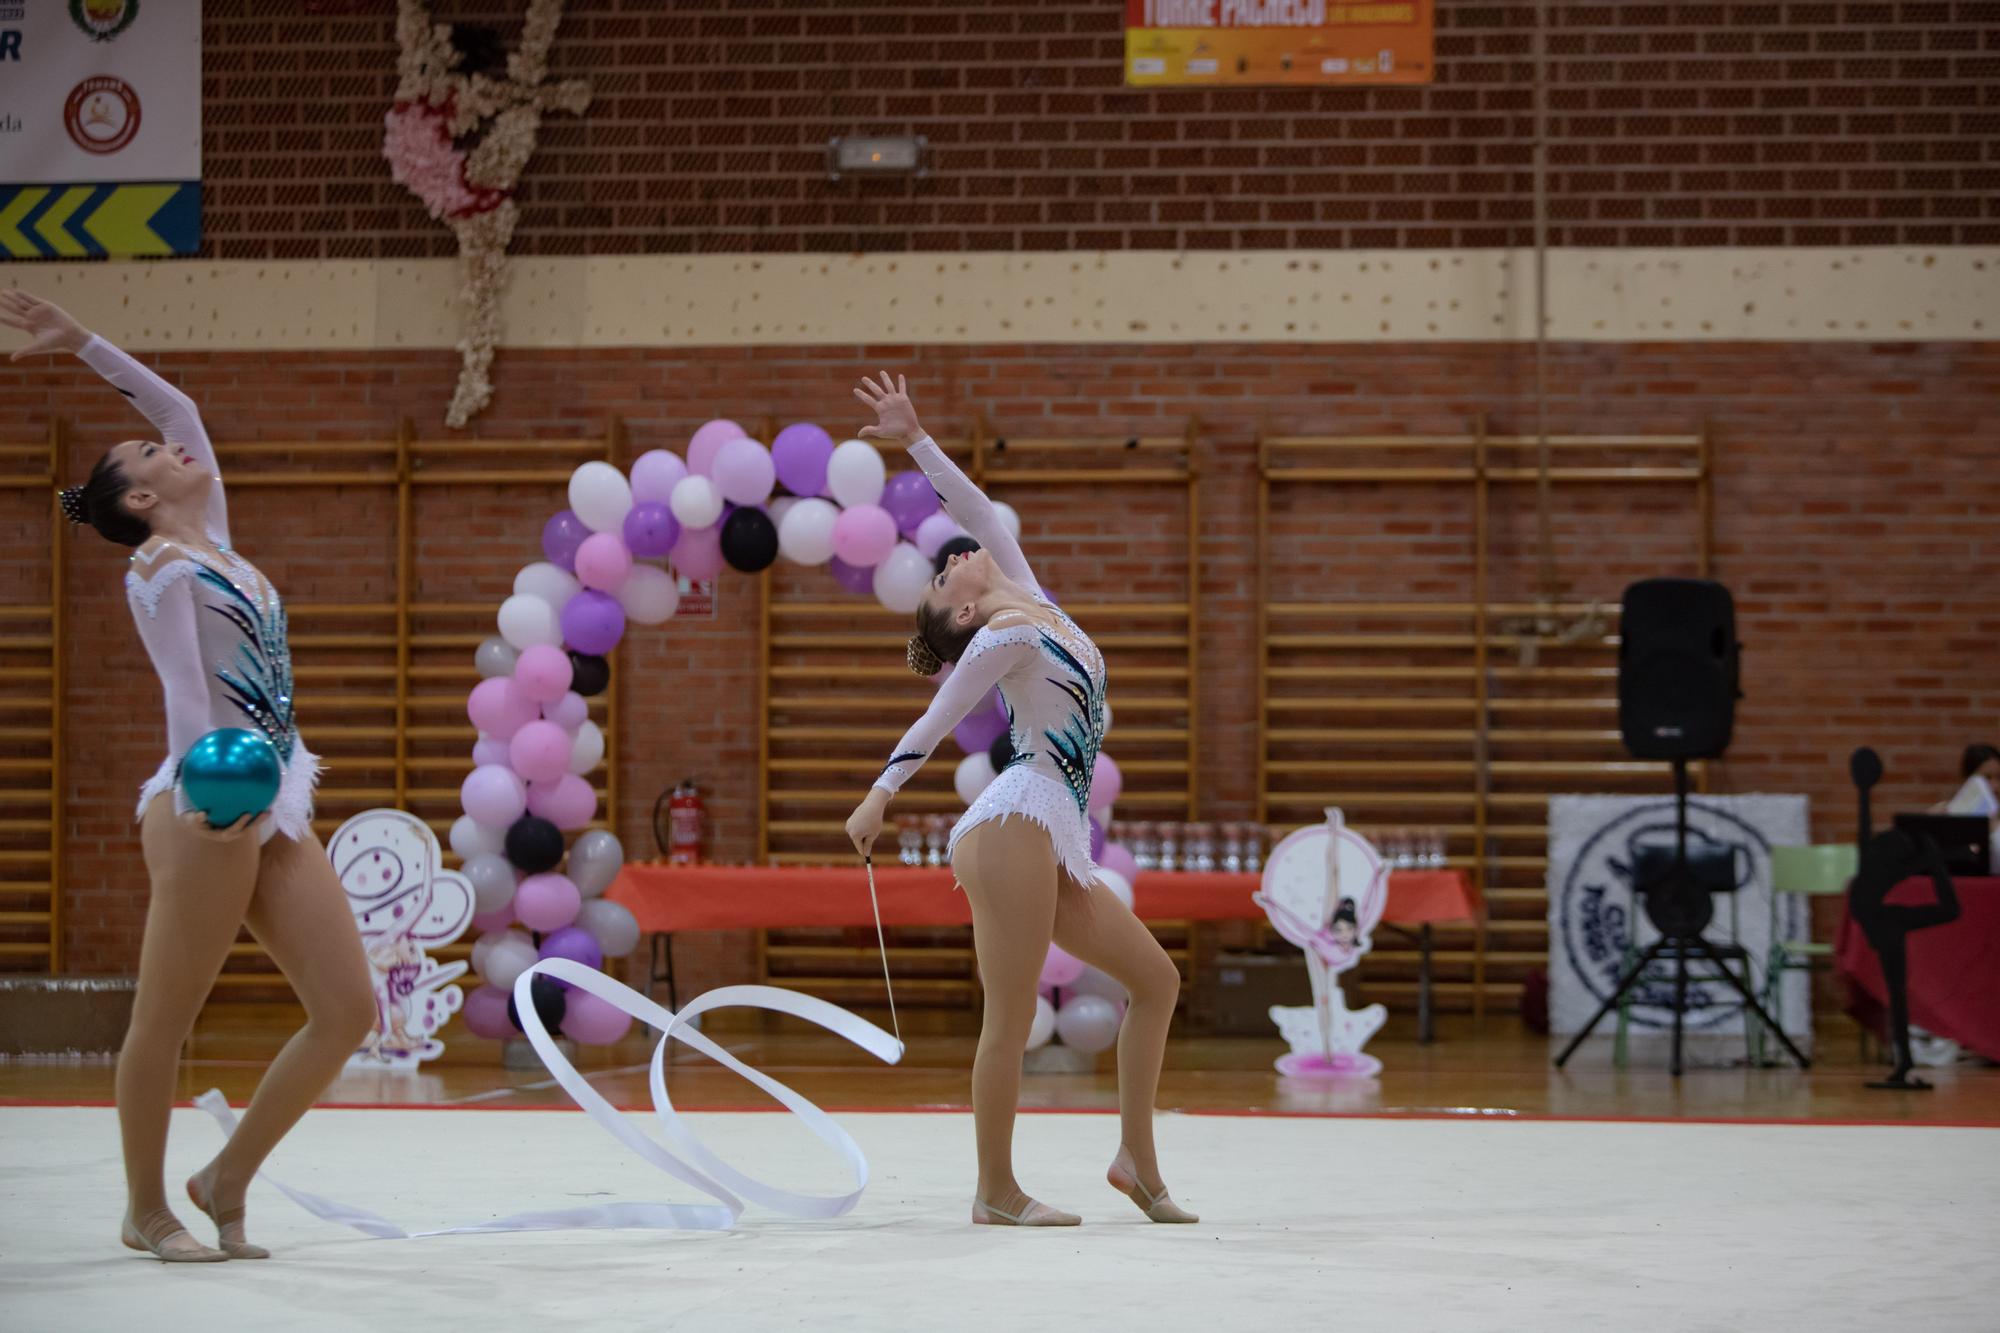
(965, 502)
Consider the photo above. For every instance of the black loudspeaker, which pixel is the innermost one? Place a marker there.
(1677, 669)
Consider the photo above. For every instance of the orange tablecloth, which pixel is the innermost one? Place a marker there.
(667, 899)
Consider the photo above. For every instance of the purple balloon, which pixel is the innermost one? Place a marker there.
(486, 1013)
(651, 530)
(854, 578)
(561, 535)
(800, 453)
(977, 730)
(574, 943)
(1096, 839)
(910, 500)
(593, 622)
(591, 1021)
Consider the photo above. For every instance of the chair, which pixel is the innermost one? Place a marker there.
(1813, 872)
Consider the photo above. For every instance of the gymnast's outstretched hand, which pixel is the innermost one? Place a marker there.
(49, 327)
(895, 416)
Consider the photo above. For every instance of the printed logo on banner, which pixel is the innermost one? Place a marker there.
(101, 20)
(102, 114)
(12, 12)
(1597, 904)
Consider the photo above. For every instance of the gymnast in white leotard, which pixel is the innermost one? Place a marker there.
(215, 630)
(1022, 852)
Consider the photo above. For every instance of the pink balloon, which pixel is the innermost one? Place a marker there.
(540, 752)
(744, 472)
(568, 802)
(864, 535)
(602, 562)
(935, 531)
(708, 442)
(1106, 783)
(592, 1021)
(490, 751)
(494, 796)
(499, 707)
(486, 1013)
(1059, 970)
(1117, 856)
(547, 902)
(543, 672)
(497, 920)
(698, 554)
(568, 712)
(655, 473)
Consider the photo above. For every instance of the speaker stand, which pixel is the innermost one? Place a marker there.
(1682, 946)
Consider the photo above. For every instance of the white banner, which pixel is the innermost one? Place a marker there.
(99, 90)
(1593, 912)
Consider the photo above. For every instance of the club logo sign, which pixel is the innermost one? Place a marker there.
(102, 114)
(101, 20)
(1597, 903)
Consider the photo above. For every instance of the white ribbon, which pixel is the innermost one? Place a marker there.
(711, 1175)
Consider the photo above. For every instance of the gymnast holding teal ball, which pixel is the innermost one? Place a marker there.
(225, 822)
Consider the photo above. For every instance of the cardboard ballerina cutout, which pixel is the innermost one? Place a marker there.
(1324, 890)
(405, 903)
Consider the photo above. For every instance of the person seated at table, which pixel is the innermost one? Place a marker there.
(1983, 763)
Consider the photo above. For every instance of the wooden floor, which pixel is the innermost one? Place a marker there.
(1495, 1070)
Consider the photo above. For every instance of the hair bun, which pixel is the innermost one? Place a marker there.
(923, 659)
(72, 503)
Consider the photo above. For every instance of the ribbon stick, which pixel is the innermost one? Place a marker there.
(709, 1173)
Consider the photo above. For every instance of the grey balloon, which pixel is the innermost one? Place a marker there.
(594, 861)
(492, 882)
(496, 657)
(614, 928)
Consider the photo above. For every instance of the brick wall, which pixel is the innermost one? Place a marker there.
(1855, 493)
(1670, 124)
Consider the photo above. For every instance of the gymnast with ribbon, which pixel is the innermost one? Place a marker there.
(226, 821)
(1022, 851)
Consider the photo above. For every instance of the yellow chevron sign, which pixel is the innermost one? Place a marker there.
(75, 221)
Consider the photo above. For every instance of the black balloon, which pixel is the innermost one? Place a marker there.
(956, 546)
(749, 540)
(1001, 752)
(534, 844)
(551, 1003)
(589, 674)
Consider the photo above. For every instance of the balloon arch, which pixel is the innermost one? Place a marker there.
(609, 562)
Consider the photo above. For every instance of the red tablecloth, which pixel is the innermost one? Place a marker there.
(667, 899)
(1954, 969)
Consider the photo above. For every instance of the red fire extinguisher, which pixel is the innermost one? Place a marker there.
(686, 816)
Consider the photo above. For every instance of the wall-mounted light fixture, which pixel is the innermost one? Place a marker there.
(892, 155)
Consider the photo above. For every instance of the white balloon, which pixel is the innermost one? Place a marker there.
(551, 583)
(856, 475)
(900, 580)
(1087, 1023)
(1119, 886)
(696, 502)
(482, 947)
(1094, 982)
(511, 955)
(1008, 518)
(805, 534)
(779, 507)
(470, 838)
(611, 924)
(974, 772)
(526, 621)
(587, 751)
(649, 595)
(1044, 1025)
(601, 496)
